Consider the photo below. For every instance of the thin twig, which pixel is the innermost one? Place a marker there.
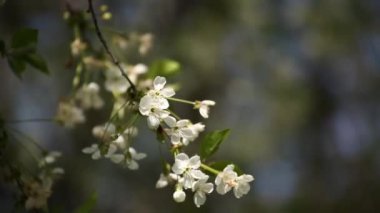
(27, 137)
(111, 118)
(105, 45)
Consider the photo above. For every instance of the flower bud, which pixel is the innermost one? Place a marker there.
(179, 196)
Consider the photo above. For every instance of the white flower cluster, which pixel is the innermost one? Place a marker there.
(116, 147)
(155, 105)
(71, 112)
(186, 174)
(115, 144)
(86, 96)
(38, 190)
(135, 94)
(69, 115)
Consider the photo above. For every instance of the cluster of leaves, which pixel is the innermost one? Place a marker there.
(22, 51)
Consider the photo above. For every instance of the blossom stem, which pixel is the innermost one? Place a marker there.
(207, 168)
(105, 45)
(181, 101)
(111, 119)
(174, 114)
(77, 77)
(27, 137)
(132, 120)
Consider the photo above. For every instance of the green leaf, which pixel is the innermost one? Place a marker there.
(2, 48)
(88, 205)
(211, 142)
(25, 38)
(17, 65)
(164, 67)
(220, 165)
(37, 62)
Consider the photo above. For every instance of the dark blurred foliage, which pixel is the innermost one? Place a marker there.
(298, 82)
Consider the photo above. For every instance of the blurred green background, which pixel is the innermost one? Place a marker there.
(297, 81)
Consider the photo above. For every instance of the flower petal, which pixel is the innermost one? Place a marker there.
(170, 121)
(139, 156)
(195, 162)
(159, 83)
(111, 150)
(167, 92)
(203, 110)
(153, 122)
(96, 155)
(245, 178)
(208, 102)
(187, 133)
(208, 188)
(133, 165)
(162, 181)
(198, 174)
(91, 149)
(199, 198)
(175, 139)
(117, 158)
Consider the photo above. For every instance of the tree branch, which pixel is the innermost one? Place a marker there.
(105, 45)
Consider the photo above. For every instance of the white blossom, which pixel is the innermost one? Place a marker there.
(146, 43)
(201, 188)
(161, 92)
(37, 193)
(104, 132)
(204, 107)
(188, 168)
(179, 131)
(50, 158)
(115, 81)
(183, 163)
(154, 109)
(228, 179)
(123, 138)
(242, 187)
(93, 150)
(112, 155)
(196, 129)
(89, 97)
(121, 141)
(69, 115)
(155, 102)
(136, 70)
(133, 158)
(163, 181)
(77, 47)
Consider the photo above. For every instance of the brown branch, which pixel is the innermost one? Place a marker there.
(105, 45)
